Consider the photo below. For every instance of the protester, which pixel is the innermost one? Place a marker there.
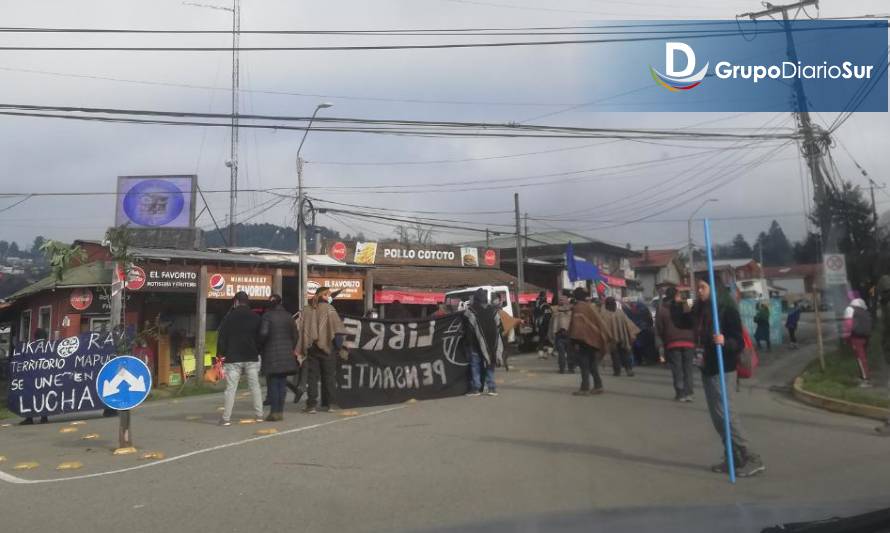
(590, 339)
(622, 333)
(441, 310)
(883, 299)
(321, 340)
(559, 331)
(542, 313)
(747, 463)
(644, 350)
(761, 334)
(791, 324)
(483, 342)
(39, 335)
(857, 331)
(677, 332)
(237, 347)
(397, 311)
(278, 335)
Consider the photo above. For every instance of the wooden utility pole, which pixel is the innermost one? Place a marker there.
(201, 331)
(118, 284)
(520, 261)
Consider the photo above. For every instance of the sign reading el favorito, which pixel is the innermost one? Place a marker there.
(386, 253)
(223, 285)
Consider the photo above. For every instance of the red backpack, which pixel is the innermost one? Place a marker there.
(748, 359)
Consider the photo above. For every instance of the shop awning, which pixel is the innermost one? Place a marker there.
(416, 297)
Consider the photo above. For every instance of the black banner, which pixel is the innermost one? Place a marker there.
(54, 377)
(392, 361)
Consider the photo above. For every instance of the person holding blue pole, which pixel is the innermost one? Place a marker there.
(731, 342)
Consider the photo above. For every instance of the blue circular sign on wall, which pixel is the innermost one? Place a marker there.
(123, 383)
(153, 202)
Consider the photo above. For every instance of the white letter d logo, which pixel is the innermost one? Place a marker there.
(669, 53)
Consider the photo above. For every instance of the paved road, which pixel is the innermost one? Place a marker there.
(535, 456)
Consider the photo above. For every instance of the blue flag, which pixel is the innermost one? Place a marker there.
(579, 269)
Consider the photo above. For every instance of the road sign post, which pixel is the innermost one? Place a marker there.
(124, 383)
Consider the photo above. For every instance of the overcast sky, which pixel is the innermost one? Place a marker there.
(54, 155)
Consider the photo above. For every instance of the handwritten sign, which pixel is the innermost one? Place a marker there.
(54, 377)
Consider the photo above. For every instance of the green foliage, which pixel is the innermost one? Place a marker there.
(840, 379)
(776, 247)
(61, 256)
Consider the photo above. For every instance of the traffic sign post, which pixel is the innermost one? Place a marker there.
(124, 383)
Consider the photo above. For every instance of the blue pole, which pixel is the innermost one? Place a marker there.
(730, 461)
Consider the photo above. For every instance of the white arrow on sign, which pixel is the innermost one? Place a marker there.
(112, 386)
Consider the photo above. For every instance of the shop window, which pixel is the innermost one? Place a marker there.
(25, 326)
(100, 325)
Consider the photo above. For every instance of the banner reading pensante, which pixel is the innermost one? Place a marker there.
(392, 361)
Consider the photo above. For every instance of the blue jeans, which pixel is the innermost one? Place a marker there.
(476, 368)
(277, 392)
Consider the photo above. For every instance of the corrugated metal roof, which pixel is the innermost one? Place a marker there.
(89, 275)
(654, 259)
(535, 239)
(245, 255)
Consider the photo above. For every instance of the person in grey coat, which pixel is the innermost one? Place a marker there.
(278, 336)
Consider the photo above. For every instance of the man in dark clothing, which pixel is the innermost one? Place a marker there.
(238, 348)
(731, 337)
(483, 342)
(278, 334)
(675, 328)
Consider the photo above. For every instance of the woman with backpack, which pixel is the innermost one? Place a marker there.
(731, 337)
(857, 331)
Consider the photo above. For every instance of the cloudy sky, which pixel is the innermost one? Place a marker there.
(534, 85)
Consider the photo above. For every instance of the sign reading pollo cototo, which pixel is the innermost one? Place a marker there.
(390, 253)
(223, 285)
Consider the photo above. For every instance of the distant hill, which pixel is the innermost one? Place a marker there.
(270, 236)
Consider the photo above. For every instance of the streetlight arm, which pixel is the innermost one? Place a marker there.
(305, 133)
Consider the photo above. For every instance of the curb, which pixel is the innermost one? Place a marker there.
(838, 406)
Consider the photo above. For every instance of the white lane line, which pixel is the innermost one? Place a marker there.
(9, 478)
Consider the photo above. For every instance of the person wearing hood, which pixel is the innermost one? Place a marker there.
(559, 331)
(483, 342)
(278, 337)
(761, 333)
(731, 337)
(622, 333)
(857, 332)
(791, 324)
(590, 339)
(675, 328)
(321, 339)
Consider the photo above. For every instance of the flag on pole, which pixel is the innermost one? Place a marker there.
(579, 269)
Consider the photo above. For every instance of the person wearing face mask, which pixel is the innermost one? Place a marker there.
(321, 339)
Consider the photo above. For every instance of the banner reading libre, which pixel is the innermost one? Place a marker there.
(394, 361)
(55, 377)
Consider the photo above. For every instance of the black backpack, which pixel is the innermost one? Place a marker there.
(861, 322)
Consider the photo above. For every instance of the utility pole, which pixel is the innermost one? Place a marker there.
(525, 248)
(118, 328)
(520, 261)
(233, 148)
(487, 238)
(874, 208)
(812, 141)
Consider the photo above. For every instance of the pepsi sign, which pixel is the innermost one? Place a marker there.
(224, 285)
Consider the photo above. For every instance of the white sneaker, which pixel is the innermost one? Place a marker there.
(491, 393)
(474, 393)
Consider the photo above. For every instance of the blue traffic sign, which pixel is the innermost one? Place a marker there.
(124, 382)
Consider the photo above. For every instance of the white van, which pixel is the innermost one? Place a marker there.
(460, 299)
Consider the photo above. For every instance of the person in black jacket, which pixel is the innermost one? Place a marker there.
(278, 335)
(237, 347)
(747, 463)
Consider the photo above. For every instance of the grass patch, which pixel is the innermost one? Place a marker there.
(840, 380)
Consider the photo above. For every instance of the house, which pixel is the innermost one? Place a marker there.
(658, 269)
(800, 281)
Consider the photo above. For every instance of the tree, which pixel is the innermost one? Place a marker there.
(808, 251)
(61, 256)
(416, 233)
(13, 250)
(37, 247)
(775, 246)
(740, 247)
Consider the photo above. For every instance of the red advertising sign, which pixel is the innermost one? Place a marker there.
(490, 258)
(135, 278)
(338, 251)
(81, 299)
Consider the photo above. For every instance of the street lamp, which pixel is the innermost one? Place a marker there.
(689, 249)
(301, 226)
